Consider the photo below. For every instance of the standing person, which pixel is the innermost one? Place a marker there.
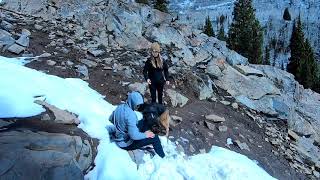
(156, 73)
(125, 131)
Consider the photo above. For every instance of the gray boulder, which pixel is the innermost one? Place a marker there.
(166, 34)
(23, 40)
(16, 49)
(140, 87)
(176, 98)
(42, 155)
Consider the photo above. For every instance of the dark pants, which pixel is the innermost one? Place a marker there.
(154, 88)
(144, 142)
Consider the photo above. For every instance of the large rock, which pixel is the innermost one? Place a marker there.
(249, 71)
(215, 118)
(202, 87)
(219, 49)
(176, 98)
(252, 87)
(83, 70)
(213, 69)
(140, 87)
(309, 152)
(168, 35)
(23, 40)
(186, 56)
(61, 116)
(6, 38)
(16, 49)
(42, 155)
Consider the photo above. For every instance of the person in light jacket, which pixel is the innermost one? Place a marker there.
(125, 131)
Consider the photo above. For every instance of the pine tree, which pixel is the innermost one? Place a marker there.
(297, 47)
(161, 5)
(221, 35)
(207, 29)
(309, 67)
(302, 61)
(142, 1)
(267, 56)
(245, 33)
(286, 15)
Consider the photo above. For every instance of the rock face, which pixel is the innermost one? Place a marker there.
(43, 155)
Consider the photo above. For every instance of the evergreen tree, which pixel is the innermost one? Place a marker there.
(302, 61)
(308, 67)
(267, 56)
(207, 29)
(221, 35)
(245, 33)
(297, 47)
(142, 1)
(161, 5)
(286, 15)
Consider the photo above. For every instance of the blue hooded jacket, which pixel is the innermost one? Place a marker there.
(125, 121)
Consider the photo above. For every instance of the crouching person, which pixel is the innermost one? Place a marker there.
(126, 133)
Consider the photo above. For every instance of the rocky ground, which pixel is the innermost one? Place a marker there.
(196, 124)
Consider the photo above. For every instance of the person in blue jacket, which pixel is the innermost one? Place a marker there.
(125, 131)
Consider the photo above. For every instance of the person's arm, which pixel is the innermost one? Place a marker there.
(145, 70)
(165, 70)
(133, 130)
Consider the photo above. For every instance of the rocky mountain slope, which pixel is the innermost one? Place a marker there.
(277, 31)
(105, 42)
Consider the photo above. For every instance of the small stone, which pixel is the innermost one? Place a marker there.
(235, 105)
(26, 32)
(191, 148)
(213, 99)
(51, 62)
(70, 42)
(69, 63)
(229, 141)
(89, 63)
(223, 128)
(209, 125)
(242, 146)
(215, 118)
(107, 68)
(175, 120)
(96, 52)
(38, 27)
(226, 103)
(294, 135)
(202, 151)
(44, 55)
(210, 134)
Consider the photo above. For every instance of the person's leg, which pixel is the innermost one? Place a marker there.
(154, 141)
(160, 92)
(153, 92)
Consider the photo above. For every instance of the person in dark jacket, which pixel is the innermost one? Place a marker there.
(156, 73)
(125, 131)
(152, 118)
